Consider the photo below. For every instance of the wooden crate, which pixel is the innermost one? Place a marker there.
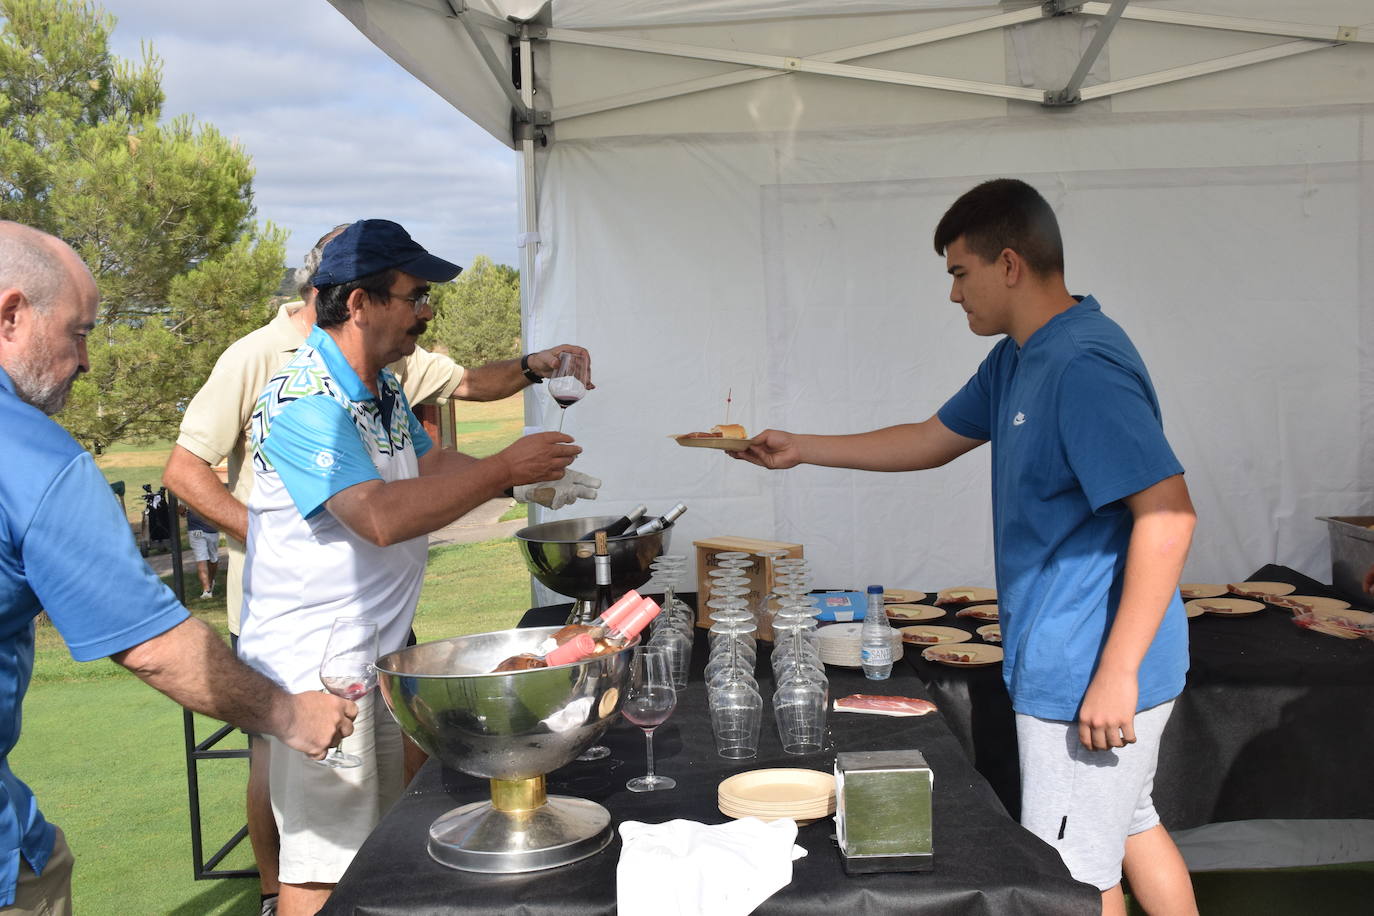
(760, 576)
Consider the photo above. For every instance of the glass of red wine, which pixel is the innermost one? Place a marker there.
(649, 701)
(347, 671)
(568, 384)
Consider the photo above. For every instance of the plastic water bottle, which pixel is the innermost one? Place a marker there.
(875, 643)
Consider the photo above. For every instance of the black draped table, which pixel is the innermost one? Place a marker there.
(984, 861)
(1275, 722)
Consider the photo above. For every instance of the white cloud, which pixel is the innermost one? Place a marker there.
(337, 131)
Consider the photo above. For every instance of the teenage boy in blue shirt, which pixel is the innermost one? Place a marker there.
(1092, 523)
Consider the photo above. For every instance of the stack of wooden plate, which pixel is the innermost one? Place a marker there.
(841, 644)
(803, 795)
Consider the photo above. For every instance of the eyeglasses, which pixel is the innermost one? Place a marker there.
(418, 302)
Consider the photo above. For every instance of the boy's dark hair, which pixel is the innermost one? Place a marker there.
(331, 304)
(1005, 213)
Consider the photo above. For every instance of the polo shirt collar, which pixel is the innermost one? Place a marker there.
(338, 366)
(6, 384)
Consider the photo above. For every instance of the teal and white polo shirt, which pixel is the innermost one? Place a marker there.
(316, 431)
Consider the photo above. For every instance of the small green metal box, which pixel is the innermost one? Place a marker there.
(883, 811)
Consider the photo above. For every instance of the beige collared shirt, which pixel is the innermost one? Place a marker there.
(215, 425)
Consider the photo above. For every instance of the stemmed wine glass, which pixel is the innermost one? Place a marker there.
(568, 384)
(347, 671)
(649, 701)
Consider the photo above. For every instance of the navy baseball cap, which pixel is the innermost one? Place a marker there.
(372, 245)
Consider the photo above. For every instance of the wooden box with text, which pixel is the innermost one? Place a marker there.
(760, 575)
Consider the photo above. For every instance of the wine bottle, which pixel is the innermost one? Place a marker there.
(627, 626)
(623, 525)
(579, 646)
(595, 630)
(628, 623)
(663, 521)
(631, 520)
(601, 559)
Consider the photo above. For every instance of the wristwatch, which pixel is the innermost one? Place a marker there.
(534, 377)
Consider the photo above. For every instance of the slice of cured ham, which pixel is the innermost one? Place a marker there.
(947, 655)
(884, 706)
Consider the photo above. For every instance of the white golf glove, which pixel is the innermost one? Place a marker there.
(555, 494)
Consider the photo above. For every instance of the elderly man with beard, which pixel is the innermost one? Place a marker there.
(58, 520)
(346, 487)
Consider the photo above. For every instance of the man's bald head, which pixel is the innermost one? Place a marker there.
(48, 303)
(32, 261)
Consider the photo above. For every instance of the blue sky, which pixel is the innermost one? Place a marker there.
(336, 130)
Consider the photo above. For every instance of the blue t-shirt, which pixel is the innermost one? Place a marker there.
(65, 547)
(196, 523)
(1075, 428)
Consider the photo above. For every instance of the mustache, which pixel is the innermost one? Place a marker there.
(418, 328)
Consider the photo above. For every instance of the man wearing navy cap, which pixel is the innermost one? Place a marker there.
(346, 487)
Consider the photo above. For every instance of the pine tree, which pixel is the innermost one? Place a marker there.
(477, 316)
(162, 213)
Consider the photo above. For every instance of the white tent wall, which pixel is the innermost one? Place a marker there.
(798, 272)
(773, 239)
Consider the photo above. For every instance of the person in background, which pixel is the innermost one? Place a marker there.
(215, 428)
(1092, 523)
(204, 540)
(58, 520)
(347, 486)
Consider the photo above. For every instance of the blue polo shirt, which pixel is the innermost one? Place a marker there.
(321, 446)
(65, 547)
(1075, 428)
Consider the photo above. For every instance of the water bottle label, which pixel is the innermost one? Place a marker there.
(877, 656)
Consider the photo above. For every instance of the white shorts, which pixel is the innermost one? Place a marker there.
(1085, 803)
(204, 545)
(324, 814)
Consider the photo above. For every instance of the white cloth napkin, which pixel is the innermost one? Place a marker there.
(682, 868)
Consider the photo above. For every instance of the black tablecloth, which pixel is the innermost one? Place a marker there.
(1275, 722)
(984, 861)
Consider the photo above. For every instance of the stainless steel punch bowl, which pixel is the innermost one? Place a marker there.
(510, 728)
(564, 564)
(515, 725)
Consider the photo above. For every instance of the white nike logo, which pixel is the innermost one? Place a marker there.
(1018, 419)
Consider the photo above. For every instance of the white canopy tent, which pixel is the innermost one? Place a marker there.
(738, 196)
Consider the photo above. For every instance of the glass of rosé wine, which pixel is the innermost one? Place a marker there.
(649, 701)
(347, 671)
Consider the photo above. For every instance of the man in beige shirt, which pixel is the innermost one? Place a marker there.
(215, 427)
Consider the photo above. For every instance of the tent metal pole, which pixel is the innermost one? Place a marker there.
(1345, 33)
(529, 200)
(1069, 94)
(486, 20)
(1202, 68)
(839, 55)
(793, 64)
(472, 23)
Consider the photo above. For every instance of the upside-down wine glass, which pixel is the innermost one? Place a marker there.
(347, 671)
(649, 701)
